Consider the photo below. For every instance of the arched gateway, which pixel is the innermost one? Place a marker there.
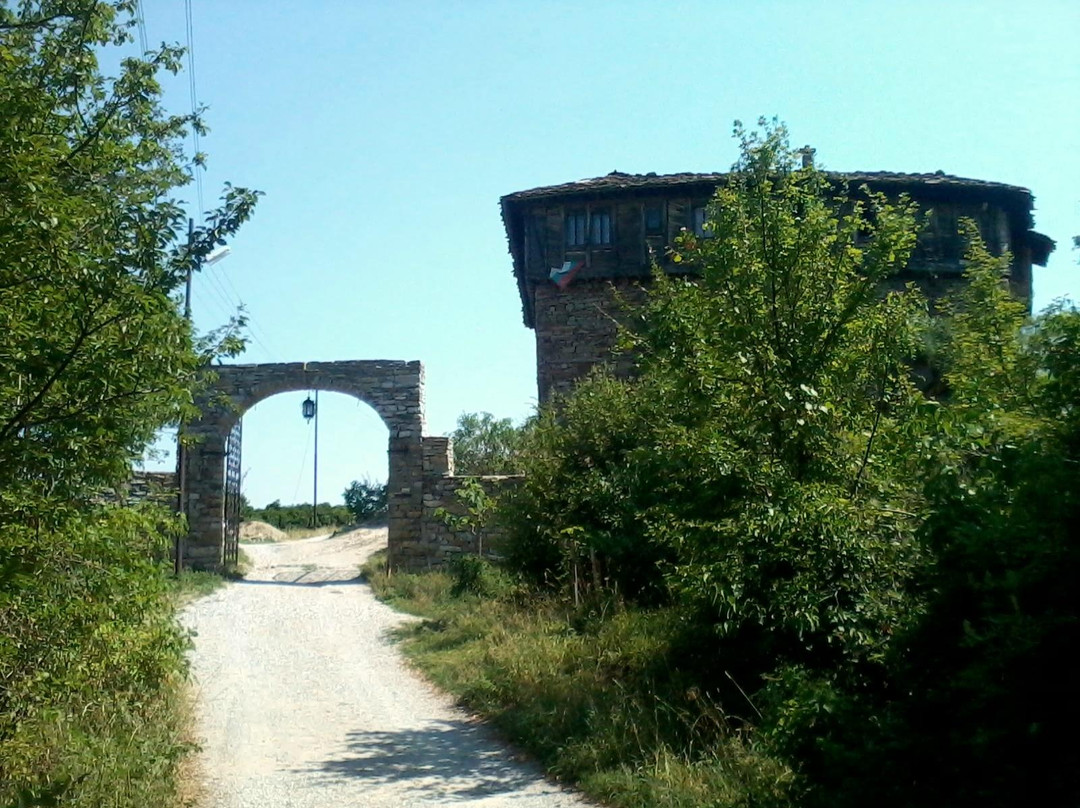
(395, 390)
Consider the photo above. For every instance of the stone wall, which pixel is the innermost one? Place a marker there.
(421, 470)
(439, 543)
(147, 486)
(576, 330)
(576, 327)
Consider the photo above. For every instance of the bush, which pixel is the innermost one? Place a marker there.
(285, 517)
(885, 579)
(473, 575)
(980, 698)
(758, 468)
(90, 657)
(484, 444)
(95, 359)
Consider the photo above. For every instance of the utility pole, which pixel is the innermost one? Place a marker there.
(181, 455)
(315, 476)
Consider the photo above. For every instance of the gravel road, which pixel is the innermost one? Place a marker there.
(302, 701)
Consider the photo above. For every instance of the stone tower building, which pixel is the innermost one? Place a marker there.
(610, 227)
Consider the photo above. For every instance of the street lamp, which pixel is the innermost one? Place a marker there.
(310, 409)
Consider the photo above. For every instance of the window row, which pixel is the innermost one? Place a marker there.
(594, 229)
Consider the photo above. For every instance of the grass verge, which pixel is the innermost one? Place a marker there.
(122, 750)
(596, 694)
(191, 585)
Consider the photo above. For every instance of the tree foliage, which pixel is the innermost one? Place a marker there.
(366, 500)
(91, 660)
(95, 357)
(93, 247)
(484, 444)
(878, 580)
(981, 696)
(299, 516)
(747, 467)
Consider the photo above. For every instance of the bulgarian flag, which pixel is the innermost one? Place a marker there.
(561, 276)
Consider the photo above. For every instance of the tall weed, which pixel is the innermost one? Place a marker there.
(595, 692)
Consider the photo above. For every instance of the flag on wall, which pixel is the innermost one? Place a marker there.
(561, 276)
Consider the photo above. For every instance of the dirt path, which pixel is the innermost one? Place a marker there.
(302, 701)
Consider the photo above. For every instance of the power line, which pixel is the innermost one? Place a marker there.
(226, 308)
(210, 302)
(219, 279)
(214, 280)
(303, 463)
(214, 287)
(195, 167)
(255, 338)
(140, 18)
(234, 301)
(224, 277)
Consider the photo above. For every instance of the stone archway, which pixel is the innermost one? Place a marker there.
(395, 390)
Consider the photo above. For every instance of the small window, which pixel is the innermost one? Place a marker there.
(700, 220)
(654, 219)
(575, 229)
(601, 228)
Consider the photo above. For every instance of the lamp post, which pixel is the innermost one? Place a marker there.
(310, 410)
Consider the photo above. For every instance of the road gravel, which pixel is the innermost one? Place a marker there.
(303, 700)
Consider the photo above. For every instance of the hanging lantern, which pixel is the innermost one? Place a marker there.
(308, 408)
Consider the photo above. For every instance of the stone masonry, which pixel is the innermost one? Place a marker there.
(438, 542)
(614, 230)
(395, 390)
(159, 487)
(577, 332)
(420, 480)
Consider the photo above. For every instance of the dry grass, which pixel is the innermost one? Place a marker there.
(190, 777)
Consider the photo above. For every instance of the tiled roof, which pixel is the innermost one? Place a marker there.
(1015, 200)
(619, 181)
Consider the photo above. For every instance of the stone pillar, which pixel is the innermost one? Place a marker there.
(205, 498)
(405, 495)
(438, 456)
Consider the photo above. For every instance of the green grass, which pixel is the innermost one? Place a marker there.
(191, 585)
(595, 694)
(117, 751)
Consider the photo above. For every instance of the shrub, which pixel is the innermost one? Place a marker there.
(884, 578)
(90, 657)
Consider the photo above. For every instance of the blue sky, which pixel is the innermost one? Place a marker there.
(383, 135)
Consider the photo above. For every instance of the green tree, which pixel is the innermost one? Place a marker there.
(754, 466)
(94, 356)
(365, 499)
(887, 579)
(484, 444)
(980, 699)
